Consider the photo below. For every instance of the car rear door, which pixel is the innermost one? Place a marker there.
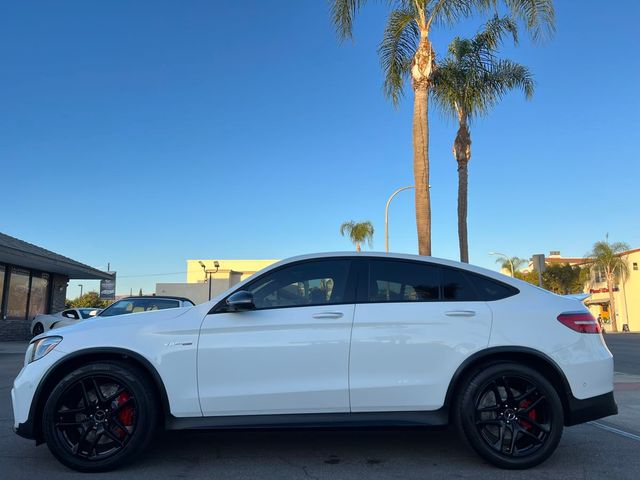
(288, 355)
(414, 325)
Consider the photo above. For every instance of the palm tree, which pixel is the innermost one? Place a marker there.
(406, 53)
(358, 232)
(607, 258)
(467, 84)
(511, 264)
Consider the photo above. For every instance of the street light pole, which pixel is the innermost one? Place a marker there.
(386, 216)
(80, 285)
(209, 272)
(508, 258)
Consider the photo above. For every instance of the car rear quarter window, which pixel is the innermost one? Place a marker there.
(489, 289)
(397, 281)
(456, 286)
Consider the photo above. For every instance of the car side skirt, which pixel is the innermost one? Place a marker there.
(313, 420)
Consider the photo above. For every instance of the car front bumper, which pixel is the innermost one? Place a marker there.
(24, 390)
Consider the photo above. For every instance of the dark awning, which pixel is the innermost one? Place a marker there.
(23, 254)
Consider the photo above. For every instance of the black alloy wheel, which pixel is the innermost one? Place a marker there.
(99, 416)
(511, 415)
(96, 417)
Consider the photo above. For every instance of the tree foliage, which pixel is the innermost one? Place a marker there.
(88, 300)
(506, 263)
(471, 80)
(606, 257)
(408, 20)
(358, 232)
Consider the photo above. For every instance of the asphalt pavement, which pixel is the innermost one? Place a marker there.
(625, 348)
(585, 452)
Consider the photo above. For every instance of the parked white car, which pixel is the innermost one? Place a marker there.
(43, 322)
(328, 339)
(123, 306)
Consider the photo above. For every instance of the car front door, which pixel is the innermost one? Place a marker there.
(290, 354)
(417, 323)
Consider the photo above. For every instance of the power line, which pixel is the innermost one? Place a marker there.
(150, 274)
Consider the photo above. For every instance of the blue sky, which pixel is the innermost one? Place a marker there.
(143, 133)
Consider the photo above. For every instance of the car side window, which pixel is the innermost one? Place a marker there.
(398, 281)
(456, 286)
(322, 282)
(70, 314)
(489, 289)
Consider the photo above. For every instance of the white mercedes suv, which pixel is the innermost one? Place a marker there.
(328, 339)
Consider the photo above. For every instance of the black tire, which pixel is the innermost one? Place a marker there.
(37, 329)
(100, 416)
(518, 430)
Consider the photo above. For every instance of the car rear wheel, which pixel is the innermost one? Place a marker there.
(37, 329)
(100, 416)
(510, 415)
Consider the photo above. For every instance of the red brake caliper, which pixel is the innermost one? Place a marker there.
(532, 415)
(126, 414)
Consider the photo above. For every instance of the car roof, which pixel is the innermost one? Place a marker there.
(402, 256)
(162, 297)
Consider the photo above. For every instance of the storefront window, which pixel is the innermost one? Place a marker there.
(18, 294)
(39, 293)
(2, 270)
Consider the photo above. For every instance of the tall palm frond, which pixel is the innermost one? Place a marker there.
(397, 49)
(607, 257)
(358, 232)
(471, 80)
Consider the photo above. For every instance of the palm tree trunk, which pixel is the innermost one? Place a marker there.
(462, 152)
(421, 69)
(612, 305)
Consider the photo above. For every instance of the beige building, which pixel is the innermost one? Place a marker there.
(207, 278)
(626, 295)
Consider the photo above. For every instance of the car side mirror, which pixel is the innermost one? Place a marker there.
(241, 301)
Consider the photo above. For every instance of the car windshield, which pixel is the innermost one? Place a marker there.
(135, 305)
(86, 312)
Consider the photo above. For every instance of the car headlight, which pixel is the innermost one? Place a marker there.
(40, 348)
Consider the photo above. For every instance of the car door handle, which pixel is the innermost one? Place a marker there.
(328, 315)
(460, 313)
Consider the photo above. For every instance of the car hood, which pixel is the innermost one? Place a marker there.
(129, 320)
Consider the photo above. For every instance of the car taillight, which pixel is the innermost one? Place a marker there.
(582, 322)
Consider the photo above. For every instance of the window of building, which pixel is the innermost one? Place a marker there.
(598, 277)
(18, 294)
(2, 272)
(635, 265)
(39, 294)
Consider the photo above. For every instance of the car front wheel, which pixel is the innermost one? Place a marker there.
(510, 415)
(100, 416)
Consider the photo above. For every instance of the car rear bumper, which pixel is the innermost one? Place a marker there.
(587, 409)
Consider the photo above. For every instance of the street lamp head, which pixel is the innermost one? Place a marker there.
(216, 264)
(202, 264)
